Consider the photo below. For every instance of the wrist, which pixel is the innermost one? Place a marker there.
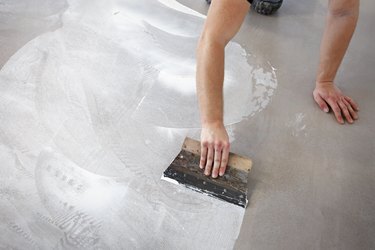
(324, 82)
(212, 123)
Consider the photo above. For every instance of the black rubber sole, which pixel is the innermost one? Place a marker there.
(263, 7)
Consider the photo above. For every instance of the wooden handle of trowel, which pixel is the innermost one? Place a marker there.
(235, 161)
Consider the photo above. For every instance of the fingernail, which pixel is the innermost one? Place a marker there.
(326, 110)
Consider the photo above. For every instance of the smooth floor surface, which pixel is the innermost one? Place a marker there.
(90, 116)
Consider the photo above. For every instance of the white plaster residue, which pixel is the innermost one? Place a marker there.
(173, 181)
(297, 125)
(248, 87)
(231, 133)
(179, 79)
(182, 8)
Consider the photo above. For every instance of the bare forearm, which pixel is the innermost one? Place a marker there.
(341, 22)
(223, 22)
(210, 77)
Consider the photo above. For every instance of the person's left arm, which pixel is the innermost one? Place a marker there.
(340, 25)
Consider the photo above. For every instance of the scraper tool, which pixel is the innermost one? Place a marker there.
(231, 187)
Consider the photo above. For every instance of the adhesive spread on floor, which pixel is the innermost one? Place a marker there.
(90, 116)
(21, 21)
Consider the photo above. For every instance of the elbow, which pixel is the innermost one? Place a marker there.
(208, 39)
(344, 8)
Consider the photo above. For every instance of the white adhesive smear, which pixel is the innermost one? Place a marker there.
(92, 113)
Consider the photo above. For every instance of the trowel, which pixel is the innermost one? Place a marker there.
(231, 187)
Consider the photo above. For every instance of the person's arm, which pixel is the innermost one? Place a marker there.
(340, 25)
(223, 21)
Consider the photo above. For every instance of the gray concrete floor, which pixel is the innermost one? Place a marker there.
(312, 185)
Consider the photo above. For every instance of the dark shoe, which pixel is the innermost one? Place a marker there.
(266, 7)
(209, 1)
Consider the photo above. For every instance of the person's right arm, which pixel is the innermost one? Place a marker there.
(223, 21)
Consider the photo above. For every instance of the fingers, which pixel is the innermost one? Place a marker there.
(343, 107)
(329, 96)
(217, 160)
(203, 155)
(345, 111)
(322, 104)
(353, 113)
(352, 103)
(214, 157)
(224, 159)
(336, 110)
(210, 157)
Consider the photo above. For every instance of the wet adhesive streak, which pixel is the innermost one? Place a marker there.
(90, 116)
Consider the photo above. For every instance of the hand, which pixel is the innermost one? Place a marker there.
(327, 93)
(214, 149)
